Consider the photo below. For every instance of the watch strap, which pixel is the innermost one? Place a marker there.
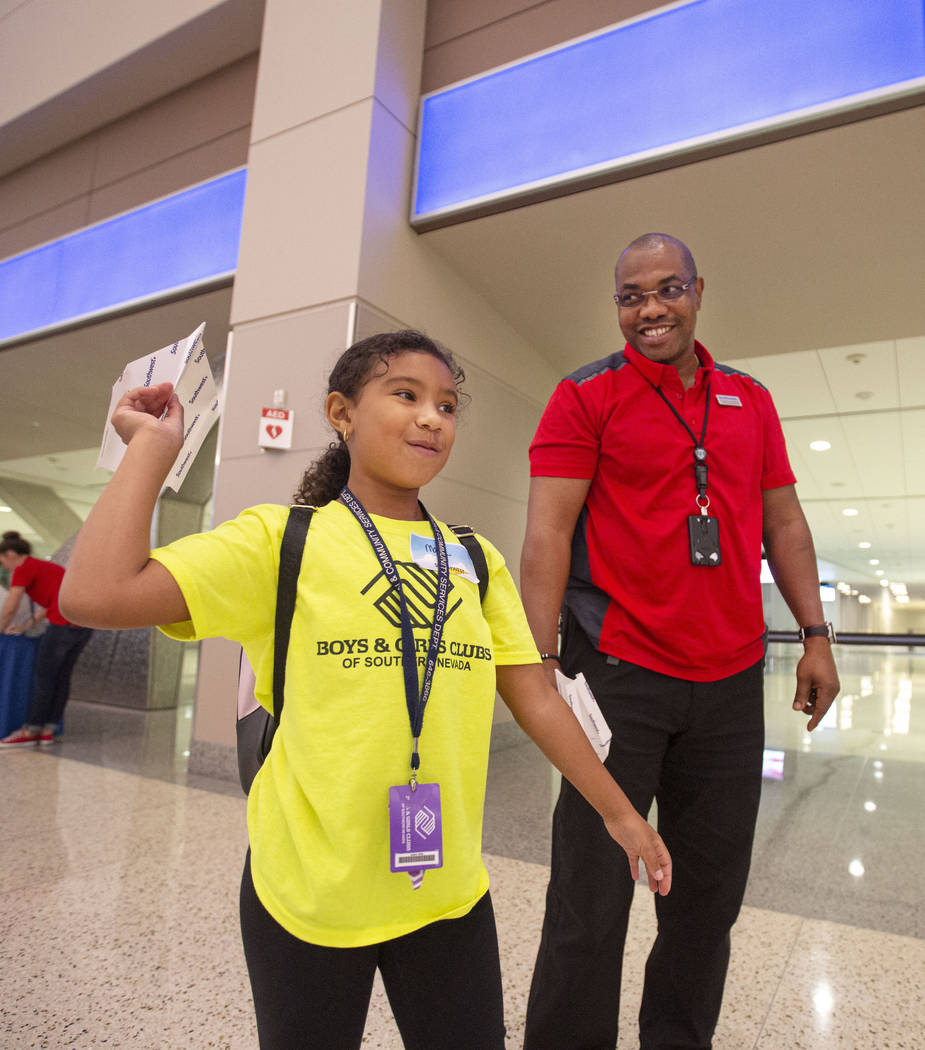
(818, 630)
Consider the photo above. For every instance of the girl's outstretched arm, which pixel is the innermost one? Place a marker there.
(110, 580)
(545, 716)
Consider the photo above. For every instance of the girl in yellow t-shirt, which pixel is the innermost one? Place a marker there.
(365, 820)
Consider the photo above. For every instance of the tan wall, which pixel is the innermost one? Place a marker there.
(463, 39)
(193, 134)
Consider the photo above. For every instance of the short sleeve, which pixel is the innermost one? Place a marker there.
(568, 439)
(512, 640)
(776, 470)
(23, 575)
(228, 576)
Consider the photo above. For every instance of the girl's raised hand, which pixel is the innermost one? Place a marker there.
(641, 841)
(143, 409)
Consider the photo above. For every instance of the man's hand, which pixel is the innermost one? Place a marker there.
(817, 681)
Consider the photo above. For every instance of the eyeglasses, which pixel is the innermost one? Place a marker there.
(668, 293)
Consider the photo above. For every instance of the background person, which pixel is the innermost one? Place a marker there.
(656, 474)
(320, 908)
(58, 649)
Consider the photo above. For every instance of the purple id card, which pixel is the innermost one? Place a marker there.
(415, 828)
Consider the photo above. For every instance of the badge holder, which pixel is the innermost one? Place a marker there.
(703, 533)
(702, 529)
(415, 829)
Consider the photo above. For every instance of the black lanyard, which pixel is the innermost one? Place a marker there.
(700, 452)
(415, 699)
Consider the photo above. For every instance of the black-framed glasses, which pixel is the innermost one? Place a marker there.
(668, 293)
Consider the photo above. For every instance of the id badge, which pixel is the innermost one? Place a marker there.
(703, 531)
(415, 830)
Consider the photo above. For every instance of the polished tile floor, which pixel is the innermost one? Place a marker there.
(119, 872)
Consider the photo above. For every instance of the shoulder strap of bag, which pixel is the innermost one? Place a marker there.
(466, 535)
(290, 562)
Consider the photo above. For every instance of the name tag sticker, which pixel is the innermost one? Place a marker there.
(424, 553)
(729, 399)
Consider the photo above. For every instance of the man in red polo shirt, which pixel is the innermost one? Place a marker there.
(656, 476)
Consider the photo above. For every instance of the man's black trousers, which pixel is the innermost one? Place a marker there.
(696, 747)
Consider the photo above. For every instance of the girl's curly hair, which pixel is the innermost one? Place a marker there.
(328, 474)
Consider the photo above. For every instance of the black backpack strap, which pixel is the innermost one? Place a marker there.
(290, 562)
(467, 536)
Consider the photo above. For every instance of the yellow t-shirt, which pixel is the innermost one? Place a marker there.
(317, 811)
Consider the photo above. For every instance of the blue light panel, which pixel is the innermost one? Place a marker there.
(180, 241)
(688, 72)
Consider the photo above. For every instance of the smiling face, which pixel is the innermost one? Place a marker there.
(662, 332)
(400, 429)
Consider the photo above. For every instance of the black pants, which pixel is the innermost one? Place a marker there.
(57, 653)
(697, 748)
(443, 982)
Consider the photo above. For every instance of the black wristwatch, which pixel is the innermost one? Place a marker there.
(819, 630)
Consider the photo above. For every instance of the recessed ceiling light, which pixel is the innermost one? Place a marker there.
(884, 583)
(864, 544)
(863, 599)
(874, 561)
(820, 446)
(879, 572)
(850, 512)
(6, 510)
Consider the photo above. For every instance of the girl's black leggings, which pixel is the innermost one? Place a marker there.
(443, 982)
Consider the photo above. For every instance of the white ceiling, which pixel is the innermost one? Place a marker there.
(813, 254)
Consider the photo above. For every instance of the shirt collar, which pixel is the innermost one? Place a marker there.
(654, 371)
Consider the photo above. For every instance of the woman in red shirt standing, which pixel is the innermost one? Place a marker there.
(58, 648)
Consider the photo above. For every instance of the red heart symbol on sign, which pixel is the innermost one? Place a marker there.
(274, 430)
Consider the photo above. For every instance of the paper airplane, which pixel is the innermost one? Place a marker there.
(184, 364)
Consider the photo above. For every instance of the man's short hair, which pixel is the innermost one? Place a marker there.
(650, 241)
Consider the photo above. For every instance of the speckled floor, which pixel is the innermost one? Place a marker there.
(119, 875)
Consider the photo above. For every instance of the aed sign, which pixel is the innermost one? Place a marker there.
(275, 428)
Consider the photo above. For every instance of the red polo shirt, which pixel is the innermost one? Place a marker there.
(42, 581)
(632, 586)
